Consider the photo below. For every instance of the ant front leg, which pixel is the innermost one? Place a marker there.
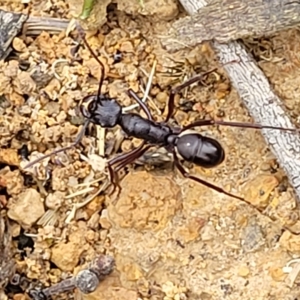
(141, 104)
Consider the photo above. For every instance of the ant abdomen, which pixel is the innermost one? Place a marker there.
(200, 150)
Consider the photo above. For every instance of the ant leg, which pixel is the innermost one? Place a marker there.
(201, 181)
(125, 162)
(113, 179)
(220, 190)
(180, 87)
(77, 141)
(118, 160)
(236, 124)
(132, 94)
(132, 158)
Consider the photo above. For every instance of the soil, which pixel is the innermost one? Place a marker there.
(171, 238)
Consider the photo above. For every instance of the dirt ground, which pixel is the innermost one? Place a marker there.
(171, 238)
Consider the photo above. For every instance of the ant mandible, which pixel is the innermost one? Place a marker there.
(192, 147)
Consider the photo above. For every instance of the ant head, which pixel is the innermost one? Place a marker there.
(200, 150)
(88, 106)
(101, 110)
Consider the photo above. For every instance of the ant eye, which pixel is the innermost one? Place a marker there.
(88, 106)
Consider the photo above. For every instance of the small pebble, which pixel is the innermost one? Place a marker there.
(243, 271)
(27, 209)
(277, 274)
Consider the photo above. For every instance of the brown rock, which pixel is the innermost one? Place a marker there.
(13, 181)
(144, 206)
(66, 255)
(290, 242)
(18, 44)
(191, 230)
(277, 273)
(27, 209)
(258, 190)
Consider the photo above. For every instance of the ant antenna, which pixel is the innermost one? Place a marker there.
(82, 35)
(87, 122)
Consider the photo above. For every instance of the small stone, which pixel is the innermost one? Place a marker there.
(53, 201)
(9, 157)
(104, 220)
(208, 233)
(162, 97)
(66, 255)
(24, 84)
(18, 44)
(95, 205)
(169, 289)
(19, 297)
(90, 236)
(277, 274)
(17, 99)
(126, 46)
(181, 118)
(252, 237)
(258, 190)
(13, 181)
(27, 209)
(290, 242)
(243, 271)
(126, 146)
(133, 272)
(190, 231)
(94, 220)
(12, 69)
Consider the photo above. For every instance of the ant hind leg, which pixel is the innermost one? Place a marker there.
(201, 181)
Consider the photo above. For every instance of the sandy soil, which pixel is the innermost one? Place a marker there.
(171, 238)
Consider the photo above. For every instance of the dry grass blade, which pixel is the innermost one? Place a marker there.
(36, 25)
(148, 87)
(50, 217)
(293, 271)
(101, 140)
(77, 206)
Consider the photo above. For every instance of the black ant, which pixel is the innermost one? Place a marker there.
(192, 147)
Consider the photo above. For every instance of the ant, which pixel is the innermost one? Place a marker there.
(184, 145)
